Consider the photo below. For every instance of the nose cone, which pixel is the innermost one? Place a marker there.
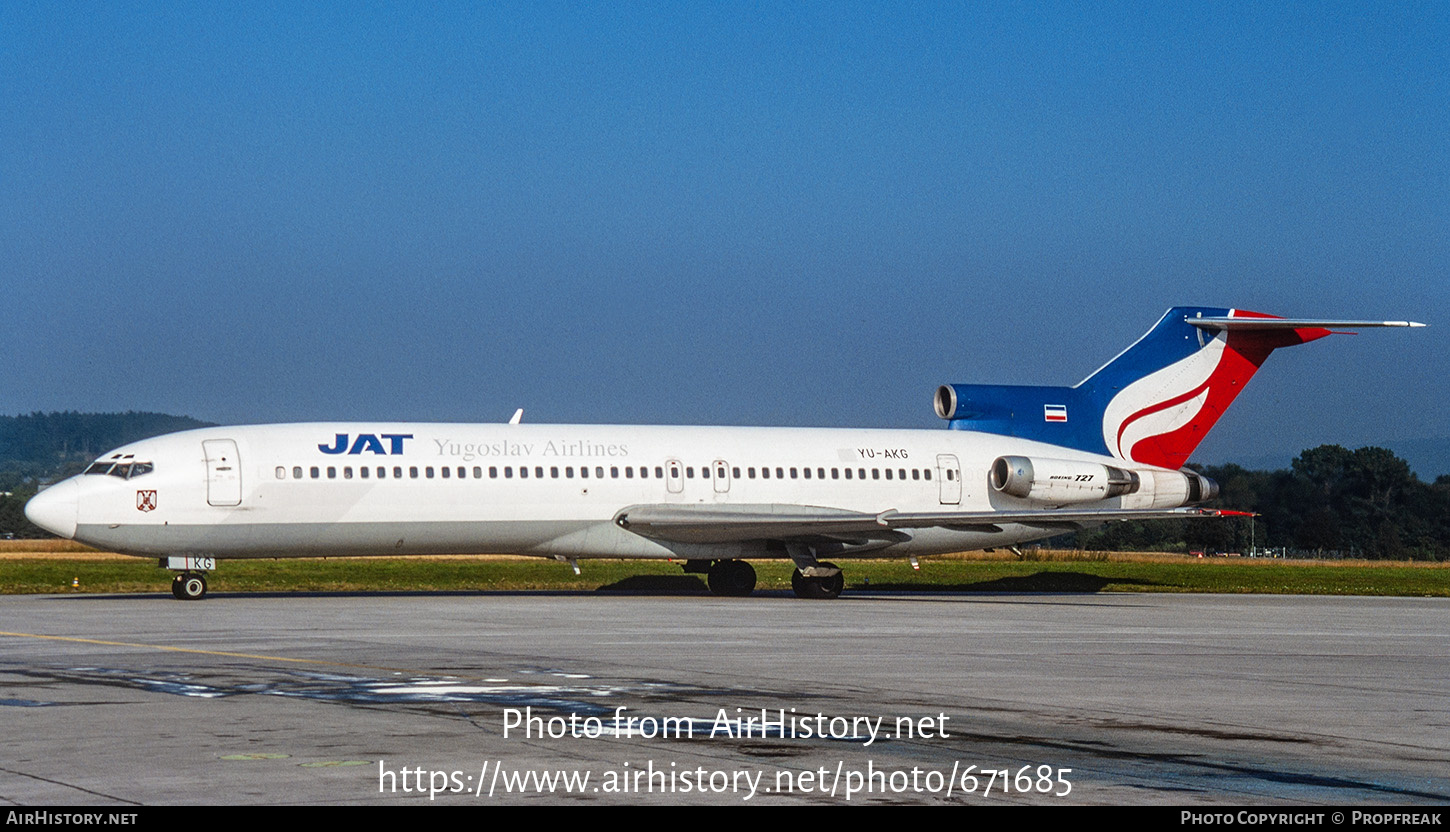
(54, 509)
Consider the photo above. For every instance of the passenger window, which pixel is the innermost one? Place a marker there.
(539, 471)
(860, 473)
(888, 473)
(780, 473)
(820, 473)
(614, 471)
(462, 473)
(629, 472)
(659, 472)
(477, 472)
(792, 473)
(297, 473)
(428, 472)
(750, 472)
(347, 472)
(765, 473)
(554, 472)
(493, 472)
(569, 472)
(363, 471)
(735, 471)
(315, 472)
(805, 471)
(901, 473)
(412, 472)
(835, 473)
(583, 472)
(689, 472)
(397, 472)
(382, 473)
(281, 473)
(926, 475)
(447, 472)
(848, 473)
(599, 471)
(875, 473)
(523, 472)
(916, 473)
(331, 473)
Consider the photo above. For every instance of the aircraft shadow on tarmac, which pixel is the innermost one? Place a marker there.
(1051, 581)
(665, 585)
(1048, 581)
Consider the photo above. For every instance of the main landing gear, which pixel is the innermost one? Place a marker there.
(736, 578)
(819, 585)
(731, 578)
(189, 586)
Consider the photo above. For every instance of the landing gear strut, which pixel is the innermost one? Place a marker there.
(731, 578)
(189, 586)
(818, 586)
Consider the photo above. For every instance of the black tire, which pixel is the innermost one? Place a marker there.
(831, 587)
(818, 588)
(190, 587)
(732, 578)
(176, 588)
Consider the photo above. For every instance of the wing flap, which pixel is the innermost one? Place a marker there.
(735, 523)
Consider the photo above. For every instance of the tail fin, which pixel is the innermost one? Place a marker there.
(1155, 401)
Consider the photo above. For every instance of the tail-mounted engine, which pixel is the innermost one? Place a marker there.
(1063, 482)
(1060, 481)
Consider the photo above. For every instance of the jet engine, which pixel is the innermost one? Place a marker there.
(1060, 481)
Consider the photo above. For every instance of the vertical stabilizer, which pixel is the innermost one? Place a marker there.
(1155, 401)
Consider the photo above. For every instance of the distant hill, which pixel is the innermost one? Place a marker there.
(43, 446)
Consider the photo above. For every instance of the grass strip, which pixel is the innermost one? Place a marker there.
(22, 575)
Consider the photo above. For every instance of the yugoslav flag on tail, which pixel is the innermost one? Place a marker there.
(1153, 403)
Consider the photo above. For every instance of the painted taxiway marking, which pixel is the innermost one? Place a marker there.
(193, 650)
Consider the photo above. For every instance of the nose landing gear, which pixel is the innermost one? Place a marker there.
(189, 586)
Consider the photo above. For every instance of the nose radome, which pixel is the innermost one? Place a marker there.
(54, 509)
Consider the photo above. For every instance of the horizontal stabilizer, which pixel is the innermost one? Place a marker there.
(1263, 324)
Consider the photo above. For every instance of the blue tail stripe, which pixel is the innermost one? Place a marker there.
(1021, 411)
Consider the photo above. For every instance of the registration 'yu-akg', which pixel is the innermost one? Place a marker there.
(1016, 464)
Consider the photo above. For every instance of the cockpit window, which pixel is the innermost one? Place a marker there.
(124, 470)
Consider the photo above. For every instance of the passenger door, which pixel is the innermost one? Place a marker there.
(223, 472)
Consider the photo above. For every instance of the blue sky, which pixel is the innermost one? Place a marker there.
(721, 212)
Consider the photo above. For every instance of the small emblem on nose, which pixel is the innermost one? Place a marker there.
(146, 500)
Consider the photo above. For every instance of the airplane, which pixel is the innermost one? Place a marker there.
(1016, 464)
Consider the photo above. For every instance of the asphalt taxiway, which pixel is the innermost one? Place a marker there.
(369, 698)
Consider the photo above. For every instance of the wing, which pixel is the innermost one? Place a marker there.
(735, 523)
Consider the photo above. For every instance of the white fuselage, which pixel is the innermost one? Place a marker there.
(546, 490)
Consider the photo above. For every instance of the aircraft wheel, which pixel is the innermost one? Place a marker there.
(176, 587)
(189, 587)
(732, 578)
(831, 587)
(818, 588)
